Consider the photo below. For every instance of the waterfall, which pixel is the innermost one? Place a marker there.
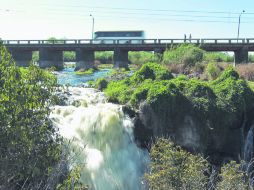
(248, 146)
(102, 137)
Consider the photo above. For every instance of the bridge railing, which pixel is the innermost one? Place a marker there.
(224, 40)
(178, 41)
(133, 41)
(250, 40)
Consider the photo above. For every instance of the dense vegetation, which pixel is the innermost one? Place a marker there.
(176, 169)
(31, 151)
(218, 104)
(227, 96)
(30, 148)
(154, 83)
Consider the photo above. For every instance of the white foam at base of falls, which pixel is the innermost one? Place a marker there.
(102, 137)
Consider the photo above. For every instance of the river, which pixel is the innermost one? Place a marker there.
(68, 77)
(101, 136)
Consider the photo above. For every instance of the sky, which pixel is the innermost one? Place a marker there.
(41, 19)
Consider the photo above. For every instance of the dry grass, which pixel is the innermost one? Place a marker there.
(246, 71)
(177, 68)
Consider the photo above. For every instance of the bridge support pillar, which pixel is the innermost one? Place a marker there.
(51, 58)
(84, 59)
(121, 58)
(241, 55)
(158, 53)
(22, 57)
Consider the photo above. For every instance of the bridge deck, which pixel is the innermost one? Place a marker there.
(212, 44)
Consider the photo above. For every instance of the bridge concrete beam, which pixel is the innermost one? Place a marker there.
(50, 58)
(241, 55)
(21, 57)
(121, 58)
(84, 59)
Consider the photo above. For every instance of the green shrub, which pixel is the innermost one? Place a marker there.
(229, 73)
(119, 91)
(218, 57)
(101, 84)
(232, 177)
(105, 57)
(72, 181)
(122, 91)
(186, 54)
(140, 94)
(69, 56)
(30, 145)
(35, 56)
(175, 169)
(212, 70)
(142, 57)
(152, 71)
(251, 58)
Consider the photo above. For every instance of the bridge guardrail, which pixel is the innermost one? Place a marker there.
(133, 41)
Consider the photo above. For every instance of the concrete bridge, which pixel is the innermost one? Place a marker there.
(51, 51)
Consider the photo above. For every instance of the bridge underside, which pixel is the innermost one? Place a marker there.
(51, 55)
(50, 58)
(84, 59)
(241, 55)
(121, 58)
(21, 57)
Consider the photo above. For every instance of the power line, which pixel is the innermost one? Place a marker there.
(153, 14)
(143, 9)
(143, 15)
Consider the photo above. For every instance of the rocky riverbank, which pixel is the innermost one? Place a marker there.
(212, 118)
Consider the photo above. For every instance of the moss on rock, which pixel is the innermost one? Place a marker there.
(214, 112)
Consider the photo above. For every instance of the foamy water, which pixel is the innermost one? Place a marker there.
(102, 138)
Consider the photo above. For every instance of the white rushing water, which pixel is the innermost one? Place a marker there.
(248, 146)
(102, 137)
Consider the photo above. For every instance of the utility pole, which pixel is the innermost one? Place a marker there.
(92, 25)
(238, 31)
(239, 22)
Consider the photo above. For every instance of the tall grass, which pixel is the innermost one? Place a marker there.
(142, 57)
(218, 57)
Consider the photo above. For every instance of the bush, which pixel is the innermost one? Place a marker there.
(212, 70)
(101, 83)
(122, 91)
(105, 57)
(186, 54)
(251, 58)
(232, 177)
(72, 181)
(218, 57)
(119, 91)
(140, 58)
(69, 56)
(152, 71)
(30, 145)
(173, 168)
